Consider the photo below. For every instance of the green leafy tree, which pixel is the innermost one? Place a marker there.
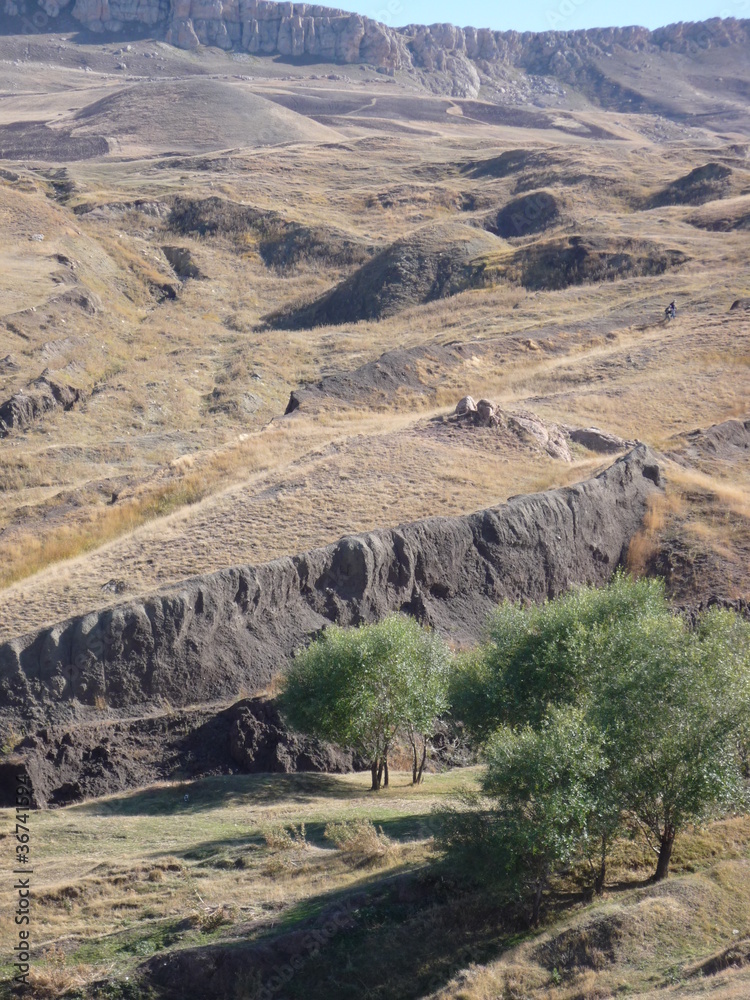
(674, 702)
(542, 783)
(542, 654)
(670, 701)
(362, 687)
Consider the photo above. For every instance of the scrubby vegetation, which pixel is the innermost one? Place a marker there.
(364, 687)
(601, 713)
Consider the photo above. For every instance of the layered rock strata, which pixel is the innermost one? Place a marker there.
(457, 56)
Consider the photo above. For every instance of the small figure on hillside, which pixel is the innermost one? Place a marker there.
(671, 311)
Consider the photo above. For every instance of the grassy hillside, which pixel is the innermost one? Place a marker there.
(245, 862)
(158, 208)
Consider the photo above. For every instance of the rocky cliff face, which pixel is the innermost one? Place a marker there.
(217, 635)
(454, 59)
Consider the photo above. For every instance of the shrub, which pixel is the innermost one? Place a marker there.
(360, 842)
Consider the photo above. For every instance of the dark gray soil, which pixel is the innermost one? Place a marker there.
(378, 380)
(512, 161)
(67, 765)
(722, 223)
(432, 263)
(35, 141)
(25, 408)
(728, 441)
(578, 260)
(531, 213)
(421, 369)
(214, 635)
(706, 183)
(281, 243)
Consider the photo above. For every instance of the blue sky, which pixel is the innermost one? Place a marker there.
(542, 15)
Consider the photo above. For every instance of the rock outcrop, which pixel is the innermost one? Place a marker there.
(728, 441)
(215, 635)
(110, 756)
(25, 408)
(454, 59)
(598, 440)
(522, 423)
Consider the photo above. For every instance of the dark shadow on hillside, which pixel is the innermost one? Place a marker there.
(225, 790)
(324, 946)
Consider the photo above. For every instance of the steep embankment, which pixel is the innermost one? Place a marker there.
(216, 635)
(106, 756)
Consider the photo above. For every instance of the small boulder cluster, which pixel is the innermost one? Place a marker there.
(553, 438)
(524, 424)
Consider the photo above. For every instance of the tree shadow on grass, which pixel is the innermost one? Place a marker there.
(324, 947)
(401, 829)
(221, 791)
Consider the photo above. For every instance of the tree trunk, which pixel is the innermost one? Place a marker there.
(420, 773)
(414, 776)
(537, 904)
(385, 773)
(375, 778)
(600, 875)
(665, 853)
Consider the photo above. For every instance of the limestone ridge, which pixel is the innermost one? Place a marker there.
(454, 57)
(215, 635)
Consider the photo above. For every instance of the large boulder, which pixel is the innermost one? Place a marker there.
(44, 394)
(549, 436)
(465, 406)
(598, 440)
(485, 415)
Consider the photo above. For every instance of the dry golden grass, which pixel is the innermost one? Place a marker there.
(644, 544)
(644, 942)
(121, 878)
(243, 852)
(183, 379)
(698, 533)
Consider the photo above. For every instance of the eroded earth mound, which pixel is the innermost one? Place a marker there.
(69, 764)
(214, 635)
(433, 263)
